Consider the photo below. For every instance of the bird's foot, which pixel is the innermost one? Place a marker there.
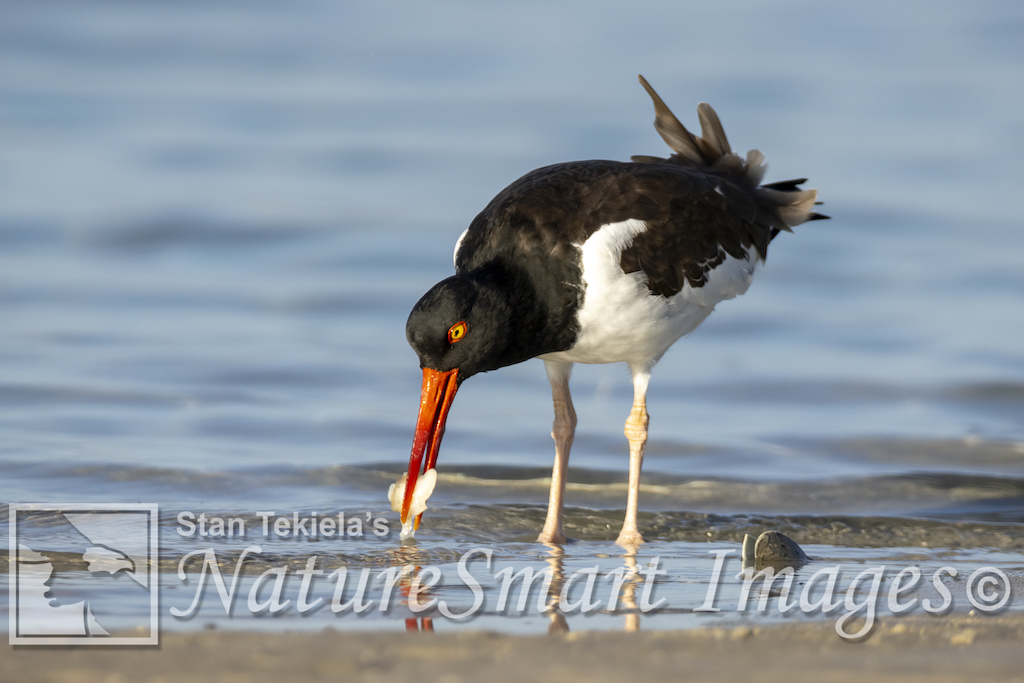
(552, 537)
(629, 539)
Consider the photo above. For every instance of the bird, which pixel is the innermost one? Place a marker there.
(596, 262)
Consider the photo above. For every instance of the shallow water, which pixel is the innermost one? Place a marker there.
(214, 219)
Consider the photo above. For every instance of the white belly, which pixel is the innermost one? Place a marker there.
(621, 320)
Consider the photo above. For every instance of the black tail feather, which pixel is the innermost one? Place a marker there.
(786, 185)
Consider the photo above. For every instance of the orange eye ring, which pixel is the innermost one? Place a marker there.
(456, 332)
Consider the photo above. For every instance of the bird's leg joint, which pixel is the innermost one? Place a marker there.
(636, 423)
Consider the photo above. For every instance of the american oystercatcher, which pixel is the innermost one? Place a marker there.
(594, 262)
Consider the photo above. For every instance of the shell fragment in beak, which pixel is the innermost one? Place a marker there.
(424, 487)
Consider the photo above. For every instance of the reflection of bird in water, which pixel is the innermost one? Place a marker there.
(626, 578)
(596, 262)
(425, 624)
(408, 558)
(556, 599)
(556, 564)
(629, 592)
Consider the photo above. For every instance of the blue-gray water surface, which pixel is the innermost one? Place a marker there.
(215, 217)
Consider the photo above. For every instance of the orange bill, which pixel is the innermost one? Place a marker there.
(435, 399)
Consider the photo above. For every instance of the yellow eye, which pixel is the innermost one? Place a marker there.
(456, 332)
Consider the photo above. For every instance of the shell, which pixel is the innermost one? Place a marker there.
(424, 487)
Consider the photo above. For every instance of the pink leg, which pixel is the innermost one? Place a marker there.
(562, 432)
(636, 432)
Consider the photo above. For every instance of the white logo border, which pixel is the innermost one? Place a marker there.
(154, 587)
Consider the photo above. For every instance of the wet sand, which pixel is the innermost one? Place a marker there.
(949, 648)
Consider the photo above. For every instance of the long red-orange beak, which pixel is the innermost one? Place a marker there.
(435, 399)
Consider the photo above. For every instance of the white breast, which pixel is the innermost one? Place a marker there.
(621, 320)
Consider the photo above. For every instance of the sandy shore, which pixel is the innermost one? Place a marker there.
(951, 648)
